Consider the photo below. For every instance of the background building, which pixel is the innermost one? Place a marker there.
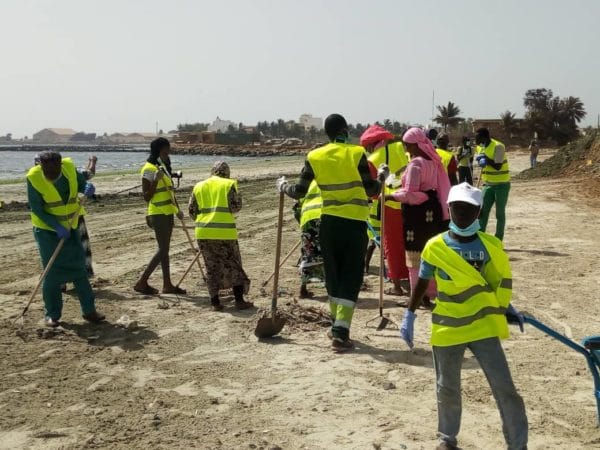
(308, 121)
(221, 126)
(54, 135)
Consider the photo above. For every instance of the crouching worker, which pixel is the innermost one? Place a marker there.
(474, 289)
(212, 204)
(52, 189)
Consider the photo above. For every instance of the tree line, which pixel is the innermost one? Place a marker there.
(547, 116)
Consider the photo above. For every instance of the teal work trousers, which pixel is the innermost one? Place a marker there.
(495, 194)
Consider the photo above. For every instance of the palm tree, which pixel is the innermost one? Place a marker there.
(387, 124)
(448, 115)
(573, 109)
(508, 122)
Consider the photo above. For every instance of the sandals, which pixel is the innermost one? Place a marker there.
(174, 290)
(146, 290)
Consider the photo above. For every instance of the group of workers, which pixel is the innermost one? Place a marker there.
(432, 237)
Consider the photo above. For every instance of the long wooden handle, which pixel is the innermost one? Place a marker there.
(189, 268)
(282, 263)
(189, 238)
(277, 255)
(381, 248)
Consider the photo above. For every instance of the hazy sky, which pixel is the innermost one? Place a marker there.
(122, 65)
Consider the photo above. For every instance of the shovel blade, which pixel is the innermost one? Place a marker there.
(384, 323)
(269, 326)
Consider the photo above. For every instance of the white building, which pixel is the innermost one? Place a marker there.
(220, 125)
(308, 121)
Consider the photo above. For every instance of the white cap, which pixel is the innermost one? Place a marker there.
(464, 192)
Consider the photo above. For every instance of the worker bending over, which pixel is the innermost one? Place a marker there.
(474, 284)
(342, 173)
(52, 188)
(212, 204)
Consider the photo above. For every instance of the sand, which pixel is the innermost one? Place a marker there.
(192, 378)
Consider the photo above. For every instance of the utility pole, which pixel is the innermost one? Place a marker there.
(432, 105)
(157, 128)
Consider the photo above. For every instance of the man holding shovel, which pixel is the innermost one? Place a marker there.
(52, 188)
(342, 173)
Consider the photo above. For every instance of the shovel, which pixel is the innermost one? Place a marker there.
(384, 321)
(269, 327)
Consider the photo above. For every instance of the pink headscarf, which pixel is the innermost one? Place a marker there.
(417, 136)
(375, 134)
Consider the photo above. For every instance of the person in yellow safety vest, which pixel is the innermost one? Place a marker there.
(157, 188)
(213, 204)
(471, 311)
(448, 159)
(493, 160)
(308, 212)
(52, 187)
(342, 173)
(383, 150)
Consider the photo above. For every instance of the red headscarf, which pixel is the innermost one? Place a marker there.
(375, 134)
(417, 136)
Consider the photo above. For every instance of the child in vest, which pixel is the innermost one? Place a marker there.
(472, 307)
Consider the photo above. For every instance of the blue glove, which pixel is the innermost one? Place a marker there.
(89, 190)
(482, 161)
(514, 316)
(62, 232)
(407, 329)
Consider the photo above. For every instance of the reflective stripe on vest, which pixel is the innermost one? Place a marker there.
(53, 203)
(489, 175)
(312, 204)
(214, 219)
(396, 160)
(470, 305)
(446, 157)
(162, 200)
(335, 166)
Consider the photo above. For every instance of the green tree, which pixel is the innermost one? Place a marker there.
(198, 126)
(448, 115)
(387, 124)
(509, 123)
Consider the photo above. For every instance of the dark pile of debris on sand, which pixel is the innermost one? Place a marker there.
(580, 157)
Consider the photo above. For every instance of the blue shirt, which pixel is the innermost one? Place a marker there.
(473, 252)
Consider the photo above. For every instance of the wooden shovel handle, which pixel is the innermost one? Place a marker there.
(277, 254)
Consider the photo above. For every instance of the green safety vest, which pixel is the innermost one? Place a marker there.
(470, 306)
(335, 166)
(214, 219)
(162, 200)
(489, 175)
(446, 156)
(394, 155)
(53, 203)
(312, 204)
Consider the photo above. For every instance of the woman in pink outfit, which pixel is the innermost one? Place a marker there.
(423, 194)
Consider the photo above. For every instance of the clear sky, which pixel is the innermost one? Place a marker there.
(121, 65)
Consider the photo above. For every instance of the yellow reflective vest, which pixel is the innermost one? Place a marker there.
(470, 305)
(394, 155)
(489, 175)
(335, 166)
(215, 219)
(53, 203)
(162, 200)
(446, 156)
(311, 204)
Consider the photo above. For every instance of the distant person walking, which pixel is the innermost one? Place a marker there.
(492, 158)
(465, 161)
(534, 151)
(423, 194)
(212, 205)
(157, 188)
